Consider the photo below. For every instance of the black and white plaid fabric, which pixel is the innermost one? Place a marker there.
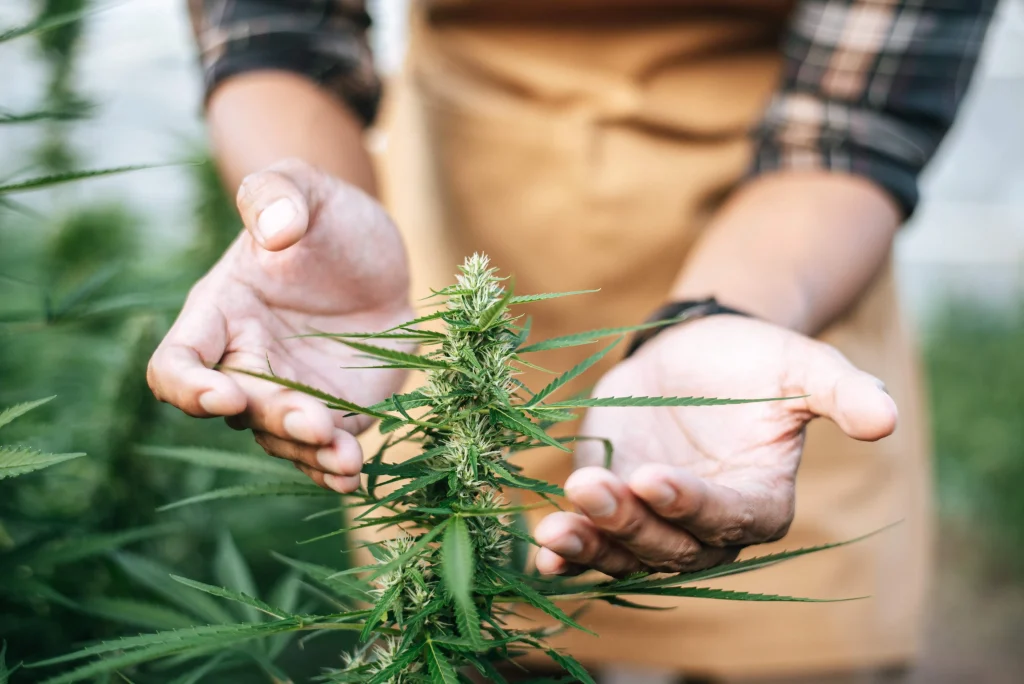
(324, 40)
(870, 87)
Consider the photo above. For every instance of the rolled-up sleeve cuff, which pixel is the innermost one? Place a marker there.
(803, 132)
(329, 48)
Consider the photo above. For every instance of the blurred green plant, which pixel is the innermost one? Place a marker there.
(30, 554)
(975, 364)
(59, 47)
(84, 298)
(439, 595)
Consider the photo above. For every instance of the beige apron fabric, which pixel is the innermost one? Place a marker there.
(587, 151)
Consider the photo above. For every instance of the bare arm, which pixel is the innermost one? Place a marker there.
(258, 118)
(794, 248)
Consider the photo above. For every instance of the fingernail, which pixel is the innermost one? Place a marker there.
(208, 402)
(276, 218)
(567, 545)
(329, 460)
(294, 424)
(661, 494)
(597, 502)
(340, 484)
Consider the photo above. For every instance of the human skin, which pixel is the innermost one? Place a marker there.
(793, 249)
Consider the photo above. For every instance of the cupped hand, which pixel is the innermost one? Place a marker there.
(317, 255)
(690, 486)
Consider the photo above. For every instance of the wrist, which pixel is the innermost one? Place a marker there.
(680, 312)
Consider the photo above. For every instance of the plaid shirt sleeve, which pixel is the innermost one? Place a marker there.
(870, 87)
(324, 40)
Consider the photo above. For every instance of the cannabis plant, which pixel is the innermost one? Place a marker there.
(80, 313)
(436, 601)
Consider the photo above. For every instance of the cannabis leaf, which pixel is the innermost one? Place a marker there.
(437, 595)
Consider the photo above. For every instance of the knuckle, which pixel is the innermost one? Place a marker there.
(627, 527)
(733, 534)
(684, 556)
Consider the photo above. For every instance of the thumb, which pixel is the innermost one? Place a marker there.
(277, 202)
(854, 400)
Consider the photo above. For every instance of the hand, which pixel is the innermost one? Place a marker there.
(690, 486)
(317, 255)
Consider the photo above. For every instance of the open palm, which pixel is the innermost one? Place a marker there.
(318, 255)
(690, 486)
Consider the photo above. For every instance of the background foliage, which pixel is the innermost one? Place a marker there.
(87, 289)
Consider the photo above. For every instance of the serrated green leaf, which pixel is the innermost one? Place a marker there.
(341, 586)
(593, 335)
(735, 567)
(441, 671)
(61, 178)
(12, 412)
(257, 606)
(458, 568)
(418, 483)
(729, 595)
(158, 579)
(513, 420)
(252, 490)
(335, 402)
(526, 299)
(161, 644)
(651, 401)
(410, 400)
(572, 666)
(574, 372)
(624, 603)
(223, 460)
(520, 481)
(493, 314)
(285, 594)
(412, 551)
(233, 573)
(15, 461)
(397, 357)
(537, 600)
(398, 665)
(380, 611)
(416, 321)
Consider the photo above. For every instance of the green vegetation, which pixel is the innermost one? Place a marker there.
(439, 593)
(975, 364)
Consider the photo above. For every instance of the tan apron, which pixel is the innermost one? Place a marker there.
(586, 149)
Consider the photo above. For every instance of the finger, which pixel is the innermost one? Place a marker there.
(276, 203)
(856, 401)
(714, 514)
(548, 562)
(620, 515)
(343, 456)
(577, 542)
(337, 483)
(280, 411)
(180, 370)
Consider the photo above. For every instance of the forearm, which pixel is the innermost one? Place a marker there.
(258, 118)
(794, 248)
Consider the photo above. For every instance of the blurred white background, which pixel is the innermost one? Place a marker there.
(138, 64)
